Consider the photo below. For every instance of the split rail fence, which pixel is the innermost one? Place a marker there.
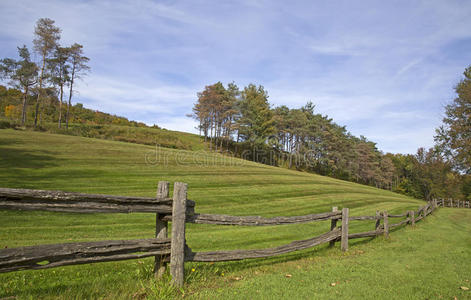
(179, 210)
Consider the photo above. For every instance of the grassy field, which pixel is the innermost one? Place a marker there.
(430, 261)
(218, 184)
(138, 135)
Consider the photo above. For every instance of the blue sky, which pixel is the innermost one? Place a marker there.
(385, 69)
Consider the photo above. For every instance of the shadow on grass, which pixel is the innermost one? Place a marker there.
(11, 158)
(50, 291)
(317, 251)
(234, 266)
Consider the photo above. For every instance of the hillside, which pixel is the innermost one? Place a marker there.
(132, 134)
(87, 122)
(218, 184)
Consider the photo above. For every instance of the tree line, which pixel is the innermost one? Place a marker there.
(11, 109)
(243, 122)
(52, 76)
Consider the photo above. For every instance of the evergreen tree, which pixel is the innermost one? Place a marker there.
(59, 67)
(22, 74)
(78, 68)
(256, 118)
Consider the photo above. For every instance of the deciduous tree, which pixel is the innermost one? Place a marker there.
(22, 74)
(454, 136)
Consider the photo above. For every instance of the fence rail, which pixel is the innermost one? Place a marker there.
(261, 253)
(260, 221)
(24, 199)
(49, 256)
(454, 203)
(179, 210)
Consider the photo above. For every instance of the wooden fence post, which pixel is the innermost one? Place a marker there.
(386, 224)
(333, 224)
(161, 229)
(177, 256)
(412, 218)
(378, 220)
(344, 239)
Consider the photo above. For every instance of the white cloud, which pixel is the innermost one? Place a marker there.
(380, 68)
(179, 124)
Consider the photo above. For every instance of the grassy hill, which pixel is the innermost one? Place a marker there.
(125, 133)
(217, 184)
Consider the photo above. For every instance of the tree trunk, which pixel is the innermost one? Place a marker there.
(70, 98)
(39, 92)
(60, 105)
(23, 112)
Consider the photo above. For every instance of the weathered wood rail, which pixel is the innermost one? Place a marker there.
(24, 199)
(179, 210)
(48, 256)
(453, 203)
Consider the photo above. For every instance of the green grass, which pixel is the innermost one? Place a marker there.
(131, 134)
(217, 183)
(429, 261)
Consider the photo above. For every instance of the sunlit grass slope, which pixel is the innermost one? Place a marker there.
(429, 261)
(217, 183)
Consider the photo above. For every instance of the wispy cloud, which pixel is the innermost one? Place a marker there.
(384, 69)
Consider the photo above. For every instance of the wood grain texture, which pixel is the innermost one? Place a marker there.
(333, 225)
(363, 218)
(31, 257)
(161, 229)
(177, 256)
(216, 256)
(364, 234)
(258, 220)
(26, 199)
(344, 236)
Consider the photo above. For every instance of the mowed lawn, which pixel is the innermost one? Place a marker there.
(218, 184)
